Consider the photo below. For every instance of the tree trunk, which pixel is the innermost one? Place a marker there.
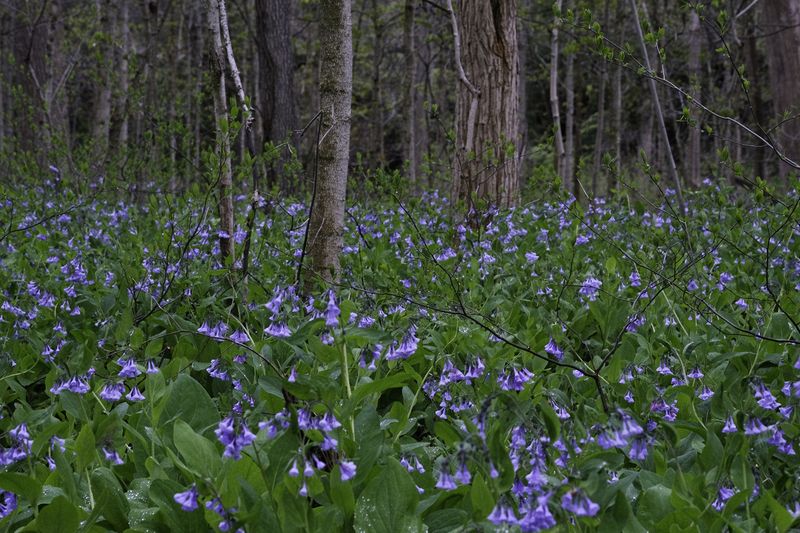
(560, 152)
(225, 174)
(659, 115)
(410, 46)
(599, 135)
(695, 73)
(753, 73)
(122, 76)
(570, 176)
(276, 70)
(377, 115)
(326, 223)
(783, 56)
(102, 101)
(487, 104)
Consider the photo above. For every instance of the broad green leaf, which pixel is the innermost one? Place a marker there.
(388, 501)
(61, 516)
(199, 453)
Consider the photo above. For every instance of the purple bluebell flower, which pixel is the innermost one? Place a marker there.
(724, 494)
(188, 499)
(754, 426)
(502, 514)
(575, 501)
(134, 395)
(764, 397)
(553, 349)
(696, 373)
(445, 481)
(730, 426)
(538, 518)
(129, 368)
(112, 392)
(8, 503)
(692, 286)
(278, 329)
(332, 311)
(347, 470)
(590, 288)
(705, 393)
(151, 368)
(239, 337)
(112, 456)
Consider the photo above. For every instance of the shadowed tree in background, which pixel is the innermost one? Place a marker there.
(486, 165)
(782, 29)
(326, 222)
(276, 71)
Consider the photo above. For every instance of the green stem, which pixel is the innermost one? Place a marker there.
(347, 388)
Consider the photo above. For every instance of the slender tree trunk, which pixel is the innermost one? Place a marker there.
(599, 135)
(695, 73)
(487, 103)
(560, 152)
(225, 174)
(123, 101)
(326, 223)
(410, 46)
(377, 120)
(569, 126)
(671, 168)
(783, 57)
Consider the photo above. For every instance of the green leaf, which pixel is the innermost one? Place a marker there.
(481, 498)
(654, 505)
(342, 492)
(22, 485)
(712, 452)
(189, 401)
(61, 516)
(198, 452)
(110, 502)
(388, 502)
(85, 448)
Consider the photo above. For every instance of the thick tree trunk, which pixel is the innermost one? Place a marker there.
(555, 111)
(276, 71)
(753, 73)
(695, 73)
(225, 174)
(487, 121)
(326, 223)
(782, 18)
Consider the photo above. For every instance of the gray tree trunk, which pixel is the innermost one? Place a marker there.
(225, 174)
(326, 223)
(695, 73)
(410, 46)
(599, 136)
(570, 175)
(487, 123)
(555, 111)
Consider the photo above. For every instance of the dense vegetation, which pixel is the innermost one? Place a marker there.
(617, 366)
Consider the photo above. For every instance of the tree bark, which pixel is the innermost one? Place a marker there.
(410, 46)
(326, 223)
(122, 76)
(671, 168)
(560, 152)
(570, 176)
(487, 103)
(752, 66)
(225, 174)
(782, 19)
(695, 73)
(276, 71)
(599, 135)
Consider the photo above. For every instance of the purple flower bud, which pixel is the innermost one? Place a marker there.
(188, 499)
